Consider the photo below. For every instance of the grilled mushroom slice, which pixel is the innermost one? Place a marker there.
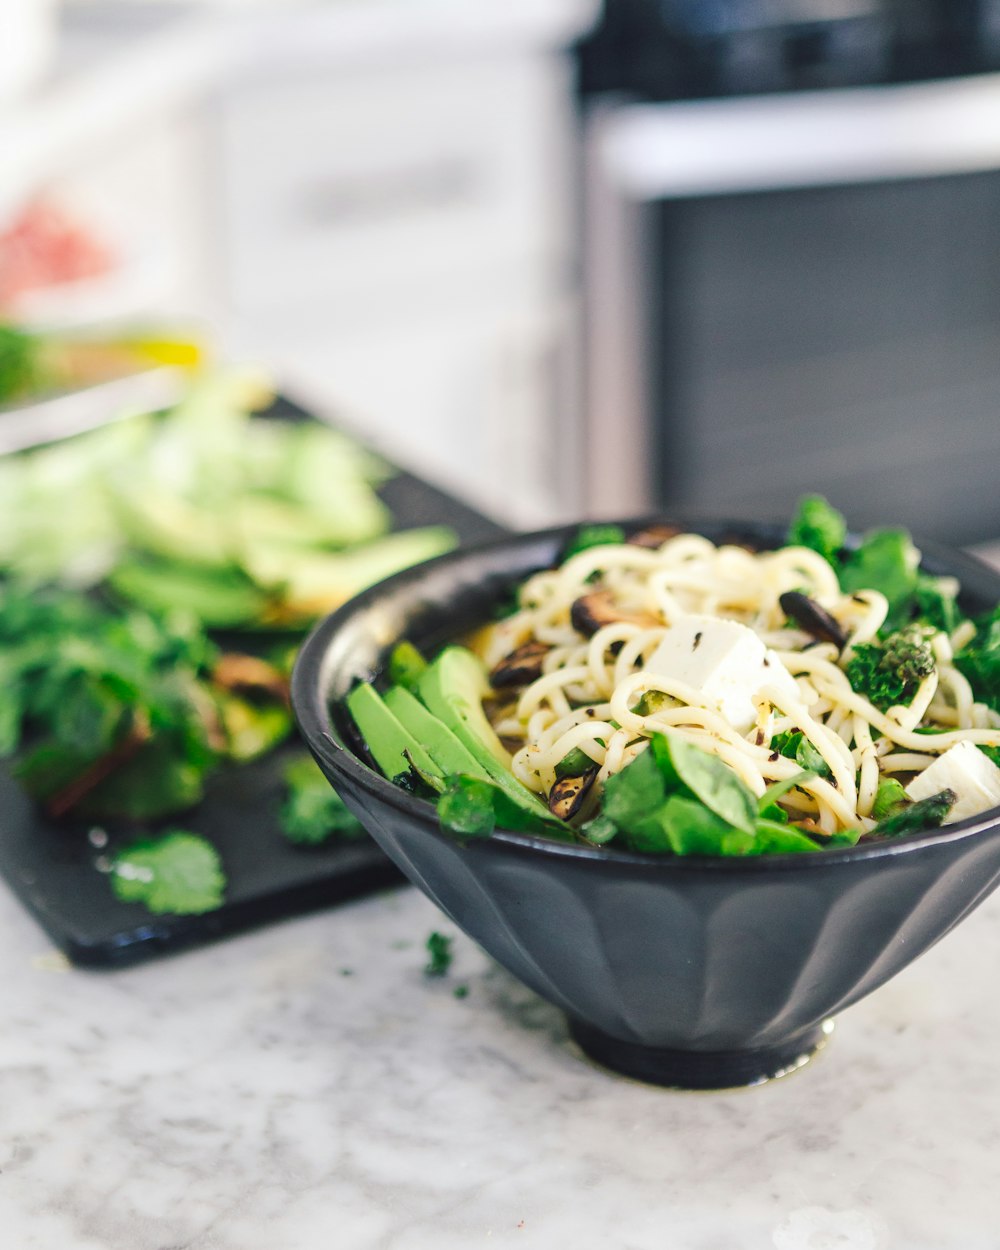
(522, 666)
(592, 612)
(653, 536)
(567, 795)
(247, 674)
(815, 620)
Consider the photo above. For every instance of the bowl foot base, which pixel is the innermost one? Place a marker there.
(700, 1069)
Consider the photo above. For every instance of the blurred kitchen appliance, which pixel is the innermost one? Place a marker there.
(676, 49)
(798, 291)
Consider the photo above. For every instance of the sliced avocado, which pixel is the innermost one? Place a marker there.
(387, 740)
(440, 743)
(453, 687)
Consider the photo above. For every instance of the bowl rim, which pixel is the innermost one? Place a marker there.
(311, 711)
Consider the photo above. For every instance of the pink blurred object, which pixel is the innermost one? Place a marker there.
(45, 246)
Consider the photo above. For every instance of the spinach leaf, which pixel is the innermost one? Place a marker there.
(885, 561)
(710, 781)
(818, 526)
(630, 795)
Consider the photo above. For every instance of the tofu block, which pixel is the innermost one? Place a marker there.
(966, 770)
(724, 660)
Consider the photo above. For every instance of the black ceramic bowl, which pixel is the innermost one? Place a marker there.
(691, 972)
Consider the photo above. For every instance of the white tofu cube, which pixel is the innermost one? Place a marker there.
(724, 660)
(966, 770)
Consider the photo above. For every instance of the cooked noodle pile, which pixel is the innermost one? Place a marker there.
(590, 693)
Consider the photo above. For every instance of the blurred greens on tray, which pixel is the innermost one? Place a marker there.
(37, 365)
(156, 576)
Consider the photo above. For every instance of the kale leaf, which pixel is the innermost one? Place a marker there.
(889, 672)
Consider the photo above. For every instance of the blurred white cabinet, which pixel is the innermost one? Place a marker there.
(401, 236)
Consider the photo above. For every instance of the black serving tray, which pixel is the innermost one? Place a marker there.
(56, 869)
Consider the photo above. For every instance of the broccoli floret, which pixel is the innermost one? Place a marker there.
(818, 526)
(889, 672)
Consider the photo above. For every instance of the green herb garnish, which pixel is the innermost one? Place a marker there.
(440, 956)
(176, 873)
(312, 811)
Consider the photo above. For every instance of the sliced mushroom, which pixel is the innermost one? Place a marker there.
(567, 795)
(592, 612)
(520, 667)
(815, 620)
(653, 536)
(248, 673)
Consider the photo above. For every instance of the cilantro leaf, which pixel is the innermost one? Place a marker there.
(313, 811)
(177, 873)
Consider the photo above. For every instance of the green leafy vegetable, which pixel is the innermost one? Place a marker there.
(794, 745)
(936, 604)
(885, 561)
(889, 798)
(588, 536)
(177, 873)
(889, 673)
(675, 798)
(818, 526)
(979, 660)
(312, 811)
(472, 808)
(439, 955)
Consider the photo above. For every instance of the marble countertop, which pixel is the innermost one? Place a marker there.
(307, 1086)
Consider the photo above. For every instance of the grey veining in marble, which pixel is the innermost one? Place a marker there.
(306, 1087)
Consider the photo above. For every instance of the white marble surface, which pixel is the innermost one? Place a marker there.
(306, 1087)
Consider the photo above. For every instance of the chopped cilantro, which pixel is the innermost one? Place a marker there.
(439, 955)
(177, 873)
